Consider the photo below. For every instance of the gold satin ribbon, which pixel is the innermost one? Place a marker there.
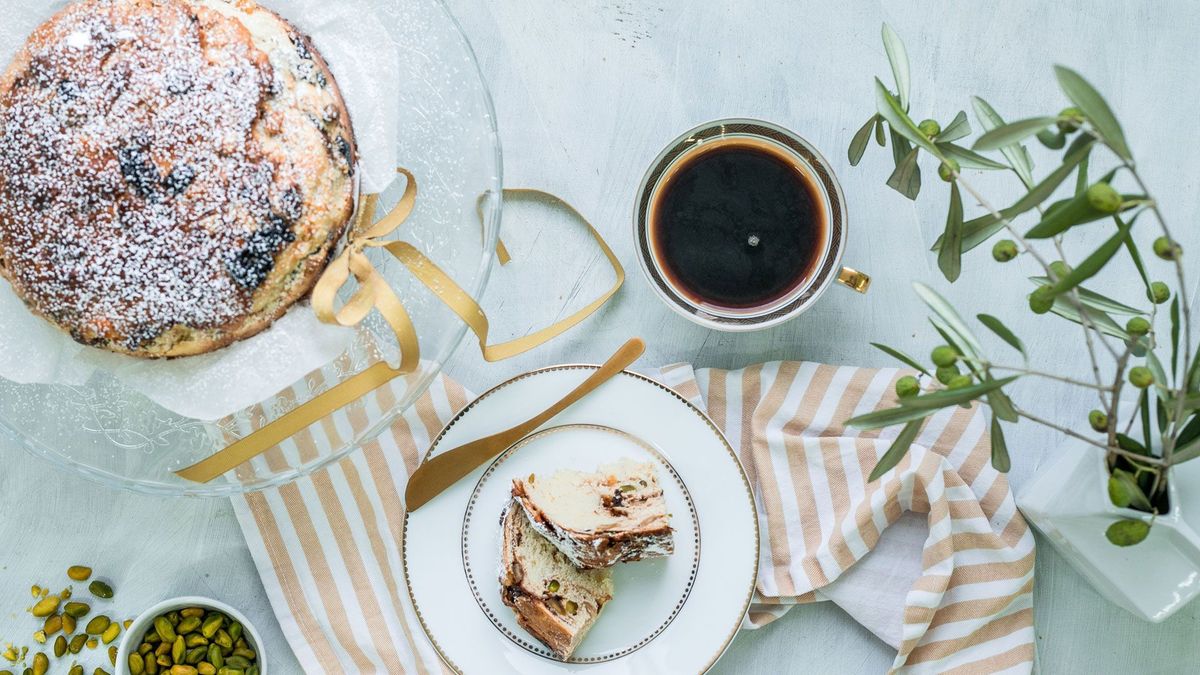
(373, 293)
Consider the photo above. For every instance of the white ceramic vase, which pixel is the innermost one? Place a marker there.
(1067, 500)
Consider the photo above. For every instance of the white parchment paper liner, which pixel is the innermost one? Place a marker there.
(365, 63)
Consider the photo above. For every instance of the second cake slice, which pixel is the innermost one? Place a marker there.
(616, 514)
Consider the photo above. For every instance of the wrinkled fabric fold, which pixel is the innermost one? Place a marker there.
(950, 587)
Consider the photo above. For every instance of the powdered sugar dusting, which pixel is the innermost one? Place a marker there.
(133, 195)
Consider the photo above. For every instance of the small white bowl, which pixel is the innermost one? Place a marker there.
(133, 635)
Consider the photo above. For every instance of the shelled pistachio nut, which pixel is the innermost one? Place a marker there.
(79, 572)
(45, 607)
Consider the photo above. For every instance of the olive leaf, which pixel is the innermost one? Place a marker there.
(1000, 458)
(998, 327)
(1191, 430)
(1094, 262)
(1098, 318)
(1016, 153)
(1187, 445)
(1160, 379)
(979, 230)
(880, 138)
(1094, 107)
(1185, 452)
(1002, 405)
(1193, 377)
(950, 256)
(901, 356)
(945, 398)
(1124, 491)
(898, 58)
(944, 330)
(1078, 210)
(1175, 335)
(1081, 176)
(906, 179)
(1052, 138)
(898, 449)
(1132, 247)
(958, 128)
(888, 417)
(1130, 445)
(1012, 132)
(1144, 414)
(946, 311)
(1127, 532)
(858, 145)
(900, 122)
(1095, 300)
(969, 159)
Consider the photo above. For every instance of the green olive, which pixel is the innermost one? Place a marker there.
(1042, 299)
(959, 381)
(1104, 198)
(1098, 420)
(1069, 119)
(1004, 250)
(1141, 377)
(907, 386)
(1167, 249)
(929, 127)
(948, 169)
(1137, 326)
(1060, 269)
(946, 373)
(1158, 292)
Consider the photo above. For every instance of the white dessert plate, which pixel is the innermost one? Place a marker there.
(675, 614)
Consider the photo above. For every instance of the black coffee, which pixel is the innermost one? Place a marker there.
(738, 226)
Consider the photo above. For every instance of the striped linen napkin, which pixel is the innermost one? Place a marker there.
(952, 594)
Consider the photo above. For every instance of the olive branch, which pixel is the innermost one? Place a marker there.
(1168, 405)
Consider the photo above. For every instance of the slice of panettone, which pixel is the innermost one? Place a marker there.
(553, 599)
(616, 514)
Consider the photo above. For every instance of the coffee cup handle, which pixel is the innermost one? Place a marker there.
(853, 279)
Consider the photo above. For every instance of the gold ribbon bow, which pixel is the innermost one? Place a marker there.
(373, 293)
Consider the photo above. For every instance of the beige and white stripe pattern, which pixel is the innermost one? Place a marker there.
(327, 546)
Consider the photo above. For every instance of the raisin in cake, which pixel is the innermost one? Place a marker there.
(553, 600)
(174, 174)
(617, 514)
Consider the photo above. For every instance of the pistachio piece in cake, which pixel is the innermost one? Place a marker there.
(553, 600)
(616, 514)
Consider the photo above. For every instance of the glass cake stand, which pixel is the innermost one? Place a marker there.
(447, 136)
